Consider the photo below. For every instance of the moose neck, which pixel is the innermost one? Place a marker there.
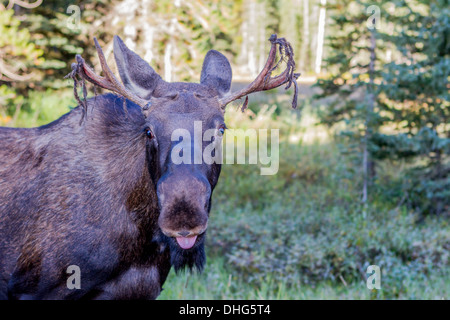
(115, 141)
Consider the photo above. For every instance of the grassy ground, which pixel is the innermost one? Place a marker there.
(303, 234)
(222, 283)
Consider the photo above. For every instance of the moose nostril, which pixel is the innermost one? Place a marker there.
(184, 233)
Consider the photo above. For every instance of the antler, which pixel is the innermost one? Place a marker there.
(109, 81)
(264, 81)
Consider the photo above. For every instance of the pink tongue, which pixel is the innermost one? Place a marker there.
(186, 242)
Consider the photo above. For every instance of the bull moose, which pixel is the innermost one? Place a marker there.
(97, 188)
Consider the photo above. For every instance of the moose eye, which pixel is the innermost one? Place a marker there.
(149, 133)
(221, 130)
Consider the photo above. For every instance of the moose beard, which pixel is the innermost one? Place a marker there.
(181, 259)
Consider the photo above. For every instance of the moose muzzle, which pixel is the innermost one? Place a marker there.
(184, 207)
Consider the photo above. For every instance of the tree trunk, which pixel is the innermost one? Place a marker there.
(252, 39)
(305, 41)
(147, 29)
(320, 36)
(368, 165)
(262, 35)
(168, 62)
(244, 45)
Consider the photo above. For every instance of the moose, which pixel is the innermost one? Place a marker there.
(97, 188)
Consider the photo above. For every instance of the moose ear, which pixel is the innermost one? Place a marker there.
(136, 74)
(216, 72)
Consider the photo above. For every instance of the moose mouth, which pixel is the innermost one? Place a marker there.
(185, 252)
(186, 242)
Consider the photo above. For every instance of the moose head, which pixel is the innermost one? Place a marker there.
(184, 189)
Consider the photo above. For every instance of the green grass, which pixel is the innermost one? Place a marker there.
(221, 283)
(41, 108)
(303, 233)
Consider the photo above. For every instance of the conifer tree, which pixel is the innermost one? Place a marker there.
(415, 101)
(351, 84)
(388, 90)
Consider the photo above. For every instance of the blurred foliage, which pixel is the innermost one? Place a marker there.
(56, 30)
(194, 27)
(293, 234)
(42, 37)
(17, 57)
(410, 114)
(318, 232)
(17, 51)
(415, 98)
